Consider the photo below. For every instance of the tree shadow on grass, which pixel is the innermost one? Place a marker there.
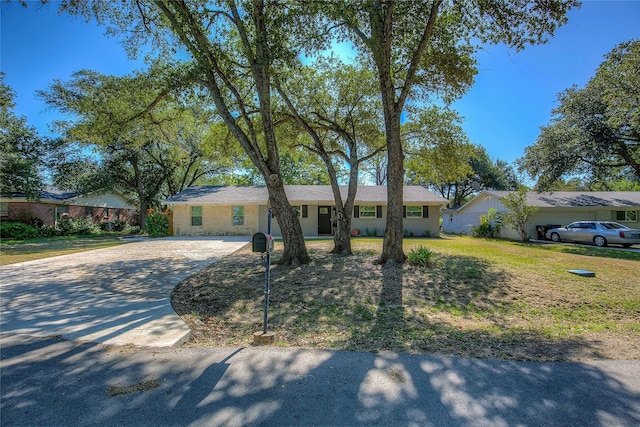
(459, 305)
(460, 282)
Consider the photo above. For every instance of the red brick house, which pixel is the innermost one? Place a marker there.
(54, 203)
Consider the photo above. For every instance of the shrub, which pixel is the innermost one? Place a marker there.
(18, 231)
(28, 218)
(157, 224)
(46, 231)
(490, 224)
(371, 232)
(420, 256)
(67, 226)
(119, 225)
(407, 233)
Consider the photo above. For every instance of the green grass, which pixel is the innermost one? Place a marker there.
(14, 251)
(475, 297)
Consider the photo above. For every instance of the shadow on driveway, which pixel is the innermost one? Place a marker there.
(118, 295)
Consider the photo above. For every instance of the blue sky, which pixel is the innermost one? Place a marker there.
(513, 95)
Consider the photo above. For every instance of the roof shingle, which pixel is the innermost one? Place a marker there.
(302, 194)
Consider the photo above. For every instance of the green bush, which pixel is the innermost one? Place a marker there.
(18, 231)
(157, 224)
(119, 225)
(27, 218)
(371, 232)
(46, 231)
(67, 226)
(490, 225)
(420, 256)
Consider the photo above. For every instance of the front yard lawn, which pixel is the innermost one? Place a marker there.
(13, 251)
(477, 298)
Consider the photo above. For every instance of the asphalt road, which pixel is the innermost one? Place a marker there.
(65, 383)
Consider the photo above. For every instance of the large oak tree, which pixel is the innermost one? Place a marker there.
(595, 131)
(426, 48)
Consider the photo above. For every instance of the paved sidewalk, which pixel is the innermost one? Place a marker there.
(118, 295)
(65, 383)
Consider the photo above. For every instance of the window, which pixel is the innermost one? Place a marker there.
(4, 208)
(88, 211)
(196, 216)
(116, 214)
(367, 211)
(414, 211)
(298, 209)
(238, 215)
(106, 213)
(61, 211)
(627, 216)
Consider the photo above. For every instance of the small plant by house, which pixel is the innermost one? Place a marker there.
(371, 232)
(490, 224)
(157, 224)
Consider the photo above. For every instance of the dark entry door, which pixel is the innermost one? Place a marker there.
(324, 219)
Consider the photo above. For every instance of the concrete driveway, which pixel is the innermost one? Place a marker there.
(119, 295)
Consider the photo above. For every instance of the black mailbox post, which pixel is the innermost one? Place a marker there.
(259, 243)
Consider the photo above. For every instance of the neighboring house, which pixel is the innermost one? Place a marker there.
(54, 203)
(554, 208)
(243, 210)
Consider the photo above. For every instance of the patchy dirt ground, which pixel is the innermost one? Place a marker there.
(462, 304)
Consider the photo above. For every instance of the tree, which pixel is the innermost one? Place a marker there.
(337, 108)
(438, 150)
(375, 169)
(519, 213)
(459, 176)
(232, 48)
(148, 141)
(426, 46)
(22, 151)
(595, 131)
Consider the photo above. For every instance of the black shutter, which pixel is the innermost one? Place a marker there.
(356, 211)
(378, 211)
(425, 212)
(404, 211)
(305, 211)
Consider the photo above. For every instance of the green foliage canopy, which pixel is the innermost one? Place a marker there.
(22, 150)
(595, 131)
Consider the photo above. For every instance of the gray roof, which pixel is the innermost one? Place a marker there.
(563, 199)
(48, 193)
(298, 194)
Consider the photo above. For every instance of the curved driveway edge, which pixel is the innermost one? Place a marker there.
(118, 295)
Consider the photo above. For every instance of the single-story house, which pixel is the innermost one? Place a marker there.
(53, 203)
(554, 209)
(235, 210)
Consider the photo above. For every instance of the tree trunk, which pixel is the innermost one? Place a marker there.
(342, 236)
(295, 250)
(143, 206)
(392, 242)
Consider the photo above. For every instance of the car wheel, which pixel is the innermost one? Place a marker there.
(600, 241)
(555, 237)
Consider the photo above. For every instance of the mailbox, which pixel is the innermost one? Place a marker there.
(259, 243)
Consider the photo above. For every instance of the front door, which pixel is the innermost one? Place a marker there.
(324, 219)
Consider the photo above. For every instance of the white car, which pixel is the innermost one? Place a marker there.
(600, 233)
